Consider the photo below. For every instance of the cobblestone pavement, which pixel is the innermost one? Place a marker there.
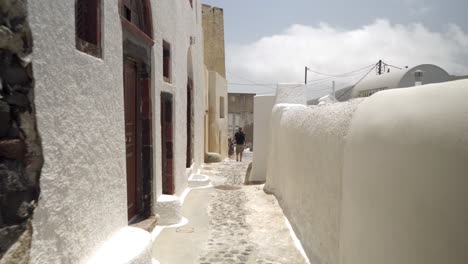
(246, 225)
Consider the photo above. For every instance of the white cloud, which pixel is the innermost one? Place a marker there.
(324, 48)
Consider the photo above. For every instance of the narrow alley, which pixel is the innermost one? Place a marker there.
(229, 222)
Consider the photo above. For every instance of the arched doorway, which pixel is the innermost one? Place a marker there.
(137, 43)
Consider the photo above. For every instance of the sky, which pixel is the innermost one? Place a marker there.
(269, 42)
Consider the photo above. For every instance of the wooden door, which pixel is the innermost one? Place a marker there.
(189, 158)
(130, 85)
(167, 144)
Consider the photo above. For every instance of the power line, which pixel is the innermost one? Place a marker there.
(339, 75)
(350, 88)
(347, 74)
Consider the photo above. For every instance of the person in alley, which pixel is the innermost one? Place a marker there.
(240, 143)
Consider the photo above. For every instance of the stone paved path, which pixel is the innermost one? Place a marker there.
(240, 230)
(243, 226)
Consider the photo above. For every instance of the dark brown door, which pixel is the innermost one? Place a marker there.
(189, 124)
(167, 144)
(130, 83)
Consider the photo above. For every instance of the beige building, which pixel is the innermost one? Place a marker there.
(216, 135)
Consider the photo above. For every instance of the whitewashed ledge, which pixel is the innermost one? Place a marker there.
(130, 245)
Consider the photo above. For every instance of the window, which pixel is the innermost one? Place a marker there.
(221, 107)
(128, 13)
(88, 26)
(167, 61)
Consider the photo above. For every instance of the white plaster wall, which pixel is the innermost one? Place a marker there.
(175, 22)
(305, 170)
(80, 108)
(79, 102)
(406, 177)
(291, 93)
(263, 106)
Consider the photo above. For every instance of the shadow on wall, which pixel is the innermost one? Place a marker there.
(20, 149)
(376, 181)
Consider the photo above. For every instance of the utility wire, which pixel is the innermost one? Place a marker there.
(339, 75)
(350, 88)
(355, 72)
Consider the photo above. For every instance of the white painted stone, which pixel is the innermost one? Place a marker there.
(263, 106)
(305, 170)
(129, 245)
(406, 177)
(199, 180)
(293, 93)
(80, 115)
(169, 208)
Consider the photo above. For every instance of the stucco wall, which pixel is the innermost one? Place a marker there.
(305, 170)
(376, 180)
(262, 114)
(406, 176)
(79, 102)
(175, 22)
(218, 137)
(80, 113)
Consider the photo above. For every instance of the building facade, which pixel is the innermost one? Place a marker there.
(217, 103)
(118, 98)
(241, 114)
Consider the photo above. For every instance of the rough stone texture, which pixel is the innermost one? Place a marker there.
(212, 157)
(291, 94)
(213, 36)
(305, 172)
(19, 252)
(20, 149)
(246, 225)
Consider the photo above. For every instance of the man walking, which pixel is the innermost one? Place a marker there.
(240, 142)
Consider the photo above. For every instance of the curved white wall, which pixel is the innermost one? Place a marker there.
(305, 172)
(380, 180)
(405, 196)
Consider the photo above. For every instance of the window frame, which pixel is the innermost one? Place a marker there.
(83, 45)
(167, 47)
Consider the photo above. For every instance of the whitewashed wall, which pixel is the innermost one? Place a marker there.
(406, 178)
(80, 114)
(381, 180)
(305, 171)
(175, 22)
(79, 101)
(263, 105)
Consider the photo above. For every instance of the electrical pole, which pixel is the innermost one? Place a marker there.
(380, 68)
(306, 69)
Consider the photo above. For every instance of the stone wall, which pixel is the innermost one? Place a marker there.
(20, 148)
(213, 34)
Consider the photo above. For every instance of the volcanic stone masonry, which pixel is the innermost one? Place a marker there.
(20, 149)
